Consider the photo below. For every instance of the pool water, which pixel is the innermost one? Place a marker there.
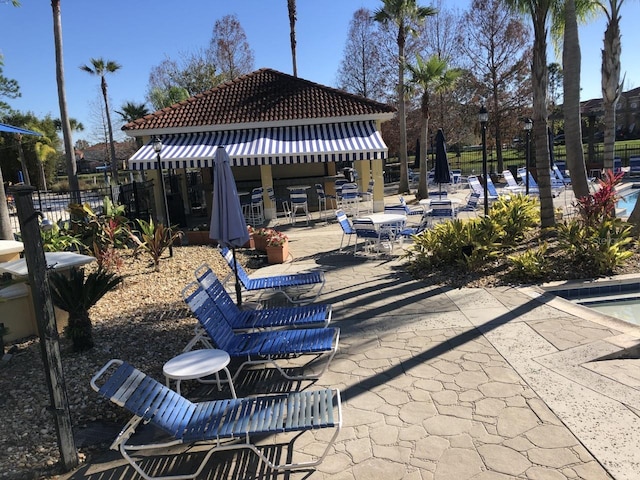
(627, 203)
(620, 299)
(627, 309)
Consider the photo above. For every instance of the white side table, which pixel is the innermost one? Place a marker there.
(195, 365)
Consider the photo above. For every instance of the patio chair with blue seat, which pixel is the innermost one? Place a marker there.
(267, 347)
(617, 165)
(475, 186)
(337, 197)
(285, 212)
(472, 203)
(312, 315)
(560, 177)
(256, 214)
(322, 201)
(376, 240)
(634, 165)
(219, 425)
(412, 210)
(440, 211)
(350, 203)
(303, 287)
(533, 185)
(299, 203)
(347, 228)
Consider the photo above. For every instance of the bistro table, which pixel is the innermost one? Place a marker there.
(426, 203)
(197, 364)
(298, 187)
(385, 218)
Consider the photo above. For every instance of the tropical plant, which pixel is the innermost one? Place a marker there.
(154, 240)
(405, 15)
(600, 205)
(515, 215)
(100, 67)
(76, 294)
(60, 238)
(431, 76)
(532, 264)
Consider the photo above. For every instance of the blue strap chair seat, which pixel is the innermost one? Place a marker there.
(347, 228)
(211, 423)
(296, 316)
(303, 287)
(263, 347)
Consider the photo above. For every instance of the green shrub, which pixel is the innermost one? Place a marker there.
(598, 248)
(533, 264)
(515, 215)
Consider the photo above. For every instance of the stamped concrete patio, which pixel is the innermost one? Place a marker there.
(440, 383)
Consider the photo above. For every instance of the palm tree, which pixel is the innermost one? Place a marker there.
(539, 10)
(72, 170)
(131, 111)
(404, 14)
(565, 23)
(291, 5)
(432, 76)
(611, 86)
(101, 68)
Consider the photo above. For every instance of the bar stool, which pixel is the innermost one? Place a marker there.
(257, 207)
(322, 201)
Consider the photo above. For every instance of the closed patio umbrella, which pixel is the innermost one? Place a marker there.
(228, 225)
(441, 172)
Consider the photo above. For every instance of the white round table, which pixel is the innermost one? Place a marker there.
(197, 364)
(385, 218)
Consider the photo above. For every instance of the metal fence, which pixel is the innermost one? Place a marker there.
(135, 196)
(469, 161)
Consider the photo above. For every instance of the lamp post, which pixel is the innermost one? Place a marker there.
(483, 116)
(528, 125)
(157, 147)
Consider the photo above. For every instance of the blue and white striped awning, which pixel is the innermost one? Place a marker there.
(332, 142)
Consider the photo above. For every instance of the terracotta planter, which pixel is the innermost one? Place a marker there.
(250, 244)
(260, 242)
(277, 254)
(198, 237)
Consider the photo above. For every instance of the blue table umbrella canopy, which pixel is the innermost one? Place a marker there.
(441, 172)
(228, 226)
(11, 129)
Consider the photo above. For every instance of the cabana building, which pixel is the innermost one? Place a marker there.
(279, 131)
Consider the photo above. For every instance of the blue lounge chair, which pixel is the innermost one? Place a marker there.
(303, 287)
(472, 203)
(263, 347)
(221, 425)
(634, 165)
(555, 186)
(476, 187)
(491, 188)
(314, 315)
(559, 175)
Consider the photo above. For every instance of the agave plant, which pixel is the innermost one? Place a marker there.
(76, 294)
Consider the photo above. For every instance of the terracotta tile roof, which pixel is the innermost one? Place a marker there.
(265, 95)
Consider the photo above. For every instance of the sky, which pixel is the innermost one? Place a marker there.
(139, 34)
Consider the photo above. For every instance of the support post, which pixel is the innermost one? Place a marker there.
(46, 320)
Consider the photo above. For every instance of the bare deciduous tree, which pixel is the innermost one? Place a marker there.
(362, 70)
(230, 48)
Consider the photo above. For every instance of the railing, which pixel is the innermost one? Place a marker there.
(55, 206)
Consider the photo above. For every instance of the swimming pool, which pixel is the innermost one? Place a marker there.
(620, 299)
(627, 202)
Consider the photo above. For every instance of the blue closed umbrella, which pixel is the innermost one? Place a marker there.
(441, 172)
(228, 225)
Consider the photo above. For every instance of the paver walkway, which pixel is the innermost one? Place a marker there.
(456, 384)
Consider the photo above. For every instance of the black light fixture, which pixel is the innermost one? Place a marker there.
(157, 147)
(483, 117)
(528, 125)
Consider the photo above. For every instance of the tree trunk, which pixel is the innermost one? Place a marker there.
(291, 5)
(540, 79)
(423, 186)
(6, 232)
(611, 83)
(403, 187)
(80, 331)
(72, 171)
(571, 59)
(23, 163)
(112, 147)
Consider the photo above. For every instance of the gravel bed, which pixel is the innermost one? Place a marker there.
(144, 321)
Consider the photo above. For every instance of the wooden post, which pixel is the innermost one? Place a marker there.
(46, 320)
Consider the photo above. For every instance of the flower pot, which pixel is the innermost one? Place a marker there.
(260, 242)
(198, 237)
(251, 243)
(277, 254)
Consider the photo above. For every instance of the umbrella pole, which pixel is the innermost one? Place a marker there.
(238, 287)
